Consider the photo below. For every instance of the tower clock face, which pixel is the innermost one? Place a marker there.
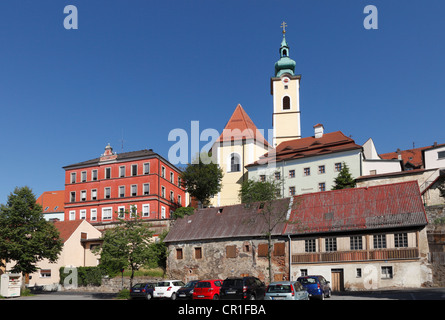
(285, 80)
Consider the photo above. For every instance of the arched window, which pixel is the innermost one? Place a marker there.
(286, 103)
(234, 163)
(284, 53)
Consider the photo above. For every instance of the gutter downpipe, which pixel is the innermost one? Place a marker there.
(290, 257)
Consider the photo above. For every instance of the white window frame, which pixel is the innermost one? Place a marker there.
(120, 196)
(122, 173)
(72, 215)
(146, 168)
(105, 193)
(146, 210)
(73, 177)
(163, 212)
(93, 214)
(105, 211)
(146, 186)
(121, 212)
(83, 214)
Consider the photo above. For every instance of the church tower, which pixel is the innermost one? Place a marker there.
(285, 89)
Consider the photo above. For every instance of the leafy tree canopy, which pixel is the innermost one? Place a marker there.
(202, 180)
(25, 236)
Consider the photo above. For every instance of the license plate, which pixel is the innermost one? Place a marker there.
(277, 298)
(230, 292)
(182, 295)
(160, 293)
(200, 296)
(137, 290)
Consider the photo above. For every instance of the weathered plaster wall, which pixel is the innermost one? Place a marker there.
(215, 263)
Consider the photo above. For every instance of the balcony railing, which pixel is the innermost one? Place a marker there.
(359, 255)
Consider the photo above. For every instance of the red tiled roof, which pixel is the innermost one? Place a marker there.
(413, 156)
(378, 207)
(53, 200)
(66, 228)
(308, 147)
(239, 127)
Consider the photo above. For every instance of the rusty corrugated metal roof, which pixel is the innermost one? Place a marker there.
(377, 207)
(225, 222)
(386, 206)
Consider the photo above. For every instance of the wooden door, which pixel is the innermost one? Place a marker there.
(337, 280)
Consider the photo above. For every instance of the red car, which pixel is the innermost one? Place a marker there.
(207, 289)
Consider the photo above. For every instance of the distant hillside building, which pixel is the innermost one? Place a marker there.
(52, 203)
(309, 164)
(101, 189)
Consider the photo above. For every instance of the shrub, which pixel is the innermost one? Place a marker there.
(85, 276)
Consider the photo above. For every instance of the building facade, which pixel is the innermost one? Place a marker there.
(309, 164)
(102, 189)
(239, 144)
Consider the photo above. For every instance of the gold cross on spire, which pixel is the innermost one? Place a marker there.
(283, 26)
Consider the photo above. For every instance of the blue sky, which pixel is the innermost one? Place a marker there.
(138, 69)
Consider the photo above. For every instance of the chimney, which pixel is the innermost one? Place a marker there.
(318, 130)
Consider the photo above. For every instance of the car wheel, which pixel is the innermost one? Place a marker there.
(148, 297)
(252, 297)
(173, 297)
(329, 294)
(215, 297)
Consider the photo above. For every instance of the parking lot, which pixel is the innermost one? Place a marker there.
(407, 294)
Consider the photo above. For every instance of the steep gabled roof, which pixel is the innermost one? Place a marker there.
(308, 147)
(239, 127)
(378, 207)
(67, 228)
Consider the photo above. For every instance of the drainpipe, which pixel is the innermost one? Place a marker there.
(290, 257)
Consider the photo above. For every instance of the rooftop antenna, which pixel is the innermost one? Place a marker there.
(122, 141)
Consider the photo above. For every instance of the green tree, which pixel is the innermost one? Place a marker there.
(344, 179)
(181, 212)
(25, 236)
(127, 246)
(266, 194)
(202, 180)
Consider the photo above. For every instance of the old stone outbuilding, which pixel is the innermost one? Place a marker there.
(358, 239)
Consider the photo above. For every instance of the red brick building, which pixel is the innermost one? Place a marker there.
(98, 190)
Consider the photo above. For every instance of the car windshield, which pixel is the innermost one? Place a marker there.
(308, 280)
(279, 288)
(139, 285)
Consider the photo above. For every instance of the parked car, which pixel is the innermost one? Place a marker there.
(207, 289)
(317, 286)
(186, 292)
(240, 288)
(142, 290)
(167, 289)
(286, 290)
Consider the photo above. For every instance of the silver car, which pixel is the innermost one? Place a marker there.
(286, 290)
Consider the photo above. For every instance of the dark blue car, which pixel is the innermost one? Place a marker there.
(142, 290)
(317, 286)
